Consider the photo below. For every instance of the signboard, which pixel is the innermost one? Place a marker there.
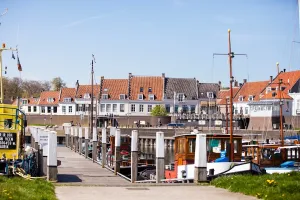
(8, 140)
(201, 122)
(218, 122)
(43, 141)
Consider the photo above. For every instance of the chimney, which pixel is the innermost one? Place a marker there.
(271, 79)
(102, 78)
(245, 80)
(241, 84)
(220, 83)
(284, 70)
(163, 75)
(236, 83)
(130, 75)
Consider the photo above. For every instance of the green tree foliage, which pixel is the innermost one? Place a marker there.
(57, 83)
(159, 111)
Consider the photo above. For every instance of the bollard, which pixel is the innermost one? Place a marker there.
(67, 132)
(76, 138)
(52, 156)
(134, 155)
(40, 161)
(200, 174)
(117, 151)
(160, 157)
(72, 138)
(103, 152)
(94, 153)
(43, 141)
(80, 141)
(86, 142)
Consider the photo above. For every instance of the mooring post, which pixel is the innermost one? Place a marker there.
(86, 142)
(94, 144)
(76, 138)
(52, 156)
(67, 130)
(103, 151)
(40, 161)
(200, 173)
(80, 141)
(72, 137)
(44, 142)
(134, 155)
(160, 156)
(117, 151)
(32, 131)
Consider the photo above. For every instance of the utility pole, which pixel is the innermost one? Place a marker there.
(230, 55)
(92, 96)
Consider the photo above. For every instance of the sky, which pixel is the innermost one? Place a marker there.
(150, 37)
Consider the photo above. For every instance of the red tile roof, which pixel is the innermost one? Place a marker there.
(289, 79)
(49, 94)
(83, 89)
(67, 93)
(146, 82)
(114, 87)
(223, 94)
(251, 88)
(269, 96)
(33, 101)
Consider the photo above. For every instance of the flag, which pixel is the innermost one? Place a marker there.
(19, 64)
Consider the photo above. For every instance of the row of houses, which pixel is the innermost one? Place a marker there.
(133, 96)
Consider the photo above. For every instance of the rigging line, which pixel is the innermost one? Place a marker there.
(294, 37)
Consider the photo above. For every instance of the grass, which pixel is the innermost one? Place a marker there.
(17, 188)
(268, 186)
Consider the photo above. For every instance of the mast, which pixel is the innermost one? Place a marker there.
(92, 97)
(231, 98)
(280, 113)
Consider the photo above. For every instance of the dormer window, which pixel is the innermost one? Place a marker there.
(105, 89)
(282, 88)
(210, 95)
(122, 96)
(68, 99)
(86, 96)
(104, 96)
(227, 99)
(268, 90)
(149, 89)
(151, 97)
(50, 100)
(141, 89)
(241, 98)
(140, 97)
(250, 98)
(180, 97)
(24, 102)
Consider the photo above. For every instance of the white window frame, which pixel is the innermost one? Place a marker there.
(122, 107)
(246, 111)
(141, 108)
(50, 100)
(29, 108)
(268, 89)
(43, 109)
(25, 101)
(140, 97)
(241, 98)
(151, 97)
(250, 98)
(105, 89)
(122, 96)
(149, 109)
(210, 95)
(132, 107)
(63, 109)
(67, 99)
(104, 96)
(86, 96)
(149, 89)
(115, 107)
(180, 97)
(102, 107)
(108, 108)
(70, 109)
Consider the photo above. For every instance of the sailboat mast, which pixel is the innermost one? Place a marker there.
(280, 113)
(92, 99)
(231, 98)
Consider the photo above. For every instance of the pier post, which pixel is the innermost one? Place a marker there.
(44, 142)
(36, 139)
(32, 129)
(103, 151)
(52, 156)
(134, 155)
(67, 132)
(117, 151)
(72, 137)
(94, 155)
(76, 138)
(40, 161)
(160, 157)
(86, 142)
(80, 141)
(200, 173)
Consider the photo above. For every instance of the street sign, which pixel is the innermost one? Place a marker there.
(8, 140)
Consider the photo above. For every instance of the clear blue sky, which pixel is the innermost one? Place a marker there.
(177, 37)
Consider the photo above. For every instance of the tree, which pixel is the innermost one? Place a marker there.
(57, 83)
(159, 111)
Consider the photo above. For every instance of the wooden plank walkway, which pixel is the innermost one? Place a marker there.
(77, 170)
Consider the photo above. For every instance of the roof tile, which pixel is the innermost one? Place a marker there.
(187, 86)
(49, 94)
(114, 87)
(146, 82)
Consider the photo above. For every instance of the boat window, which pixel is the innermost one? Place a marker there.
(180, 148)
(235, 143)
(214, 145)
(192, 145)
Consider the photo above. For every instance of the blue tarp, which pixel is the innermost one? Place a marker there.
(287, 164)
(225, 159)
(174, 124)
(293, 137)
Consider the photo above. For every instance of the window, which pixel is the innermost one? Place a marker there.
(67, 99)
(122, 96)
(298, 104)
(105, 90)
(235, 111)
(167, 106)
(50, 100)
(49, 109)
(140, 96)
(43, 109)
(149, 108)
(141, 108)
(70, 109)
(86, 96)
(214, 145)
(185, 108)
(268, 90)
(149, 89)
(64, 109)
(246, 110)
(104, 96)
(108, 107)
(210, 95)
(241, 98)
(151, 97)
(102, 107)
(250, 98)
(24, 102)
(193, 109)
(115, 108)
(29, 108)
(282, 88)
(176, 108)
(180, 97)
(34, 108)
(54, 109)
(141, 89)
(287, 106)
(122, 107)
(132, 107)
(77, 108)
(228, 99)
(192, 145)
